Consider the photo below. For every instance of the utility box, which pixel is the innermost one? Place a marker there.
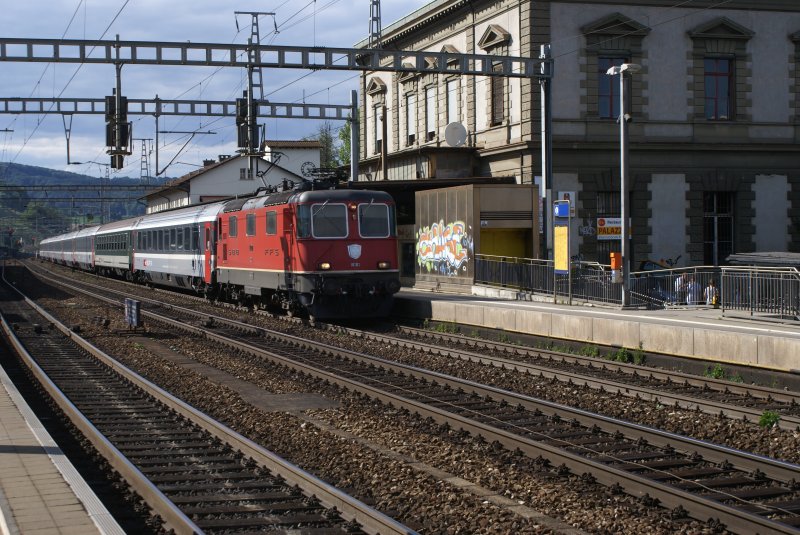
(454, 224)
(133, 313)
(616, 267)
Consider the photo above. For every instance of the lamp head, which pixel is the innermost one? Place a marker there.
(632, 68)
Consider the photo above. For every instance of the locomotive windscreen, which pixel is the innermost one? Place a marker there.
(373, 220)
(324, 220)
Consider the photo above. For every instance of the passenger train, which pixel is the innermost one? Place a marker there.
(332, 253)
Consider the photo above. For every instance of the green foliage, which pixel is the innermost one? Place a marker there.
(503, 338)
(344, 143)
(638, 356)
(448, 328)
(717, 372)
(769, 419)
(621, 355)
(328, 153)
(590, 351)
(36, 215)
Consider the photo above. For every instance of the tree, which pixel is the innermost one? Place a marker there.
(344, 142)
(328, 154)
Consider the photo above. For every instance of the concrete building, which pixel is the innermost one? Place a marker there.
(300, 157)
(714, 137)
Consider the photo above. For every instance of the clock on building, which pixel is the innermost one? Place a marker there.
(307, 168)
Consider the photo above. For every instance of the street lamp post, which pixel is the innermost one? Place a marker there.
(620, 70)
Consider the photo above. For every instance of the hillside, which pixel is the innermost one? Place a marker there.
(29, 175)
(31, 215)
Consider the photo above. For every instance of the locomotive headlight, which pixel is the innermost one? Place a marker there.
(384, 265)
(324, 266)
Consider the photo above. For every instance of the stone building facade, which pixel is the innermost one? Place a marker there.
(715, 109)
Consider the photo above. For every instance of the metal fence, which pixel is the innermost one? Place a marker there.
(762, 291)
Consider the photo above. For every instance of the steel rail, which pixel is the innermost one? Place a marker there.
(740, 521)
(631, 369)
(173, 517)
(662, 438)
(634, 484)
(787, 422)
(350, 509)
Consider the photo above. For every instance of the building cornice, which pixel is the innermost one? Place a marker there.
(440, 9)
(747, 5)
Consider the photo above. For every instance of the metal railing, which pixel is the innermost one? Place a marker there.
(762, 291)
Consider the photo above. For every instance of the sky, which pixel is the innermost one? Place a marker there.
(40, 139)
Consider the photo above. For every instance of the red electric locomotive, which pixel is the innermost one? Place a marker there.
(330, 252)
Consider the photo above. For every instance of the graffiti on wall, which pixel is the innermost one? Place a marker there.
(444, 249)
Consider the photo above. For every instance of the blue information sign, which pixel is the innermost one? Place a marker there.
(561, 209)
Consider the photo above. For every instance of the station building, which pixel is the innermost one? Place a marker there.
(715, 109)
(231, 176)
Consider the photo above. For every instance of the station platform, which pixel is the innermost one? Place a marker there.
(41, 492)
(695, 332)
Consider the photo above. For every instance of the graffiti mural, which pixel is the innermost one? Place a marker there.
(444, 249)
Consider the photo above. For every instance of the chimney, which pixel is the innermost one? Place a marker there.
(206, 163)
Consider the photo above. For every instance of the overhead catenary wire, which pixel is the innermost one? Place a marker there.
(74, 74)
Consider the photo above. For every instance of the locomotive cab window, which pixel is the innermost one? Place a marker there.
(232, 227)
(373, 220)
(272, 223)
(250, 225)
(329, 220)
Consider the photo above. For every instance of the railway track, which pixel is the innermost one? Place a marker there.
(195, 473)
(684, 390)
(672, 388)
(747, 493)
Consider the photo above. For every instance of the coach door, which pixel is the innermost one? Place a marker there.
(208, 245)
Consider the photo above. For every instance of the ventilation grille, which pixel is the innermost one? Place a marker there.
(509, 215)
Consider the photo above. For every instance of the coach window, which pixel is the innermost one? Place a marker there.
(161, 240)
(329, 220)
(195, 239)
(250, 224)
(179, 243)
(272, 223)
(373, 220)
